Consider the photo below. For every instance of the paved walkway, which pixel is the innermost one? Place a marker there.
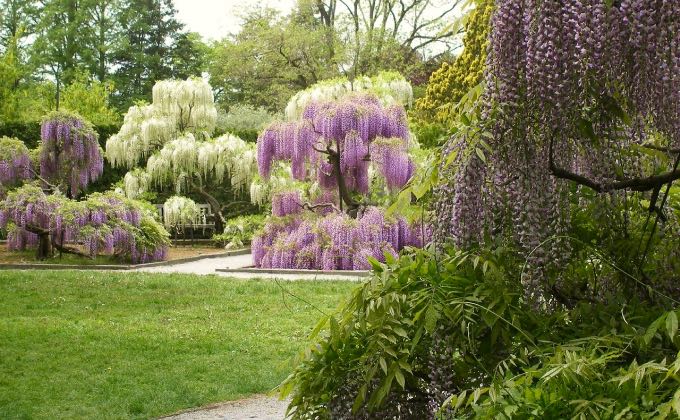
(259, 407)
(203, 266)
(209, 265)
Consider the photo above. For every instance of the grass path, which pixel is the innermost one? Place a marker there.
(122, 345)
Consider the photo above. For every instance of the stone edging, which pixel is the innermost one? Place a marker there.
(252, 270)
(122, 267)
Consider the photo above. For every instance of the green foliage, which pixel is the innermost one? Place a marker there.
(244, 121)
(270, 59)
(239, 231)
(90, 99)
(451, 81)
(505, 359)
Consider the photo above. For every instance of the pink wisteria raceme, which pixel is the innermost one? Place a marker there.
(336, 241)
(70, 155)
(103, 224)
(15, 163)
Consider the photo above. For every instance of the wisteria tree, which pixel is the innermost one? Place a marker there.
(344, 151)
(168, 144)
(70, 156)
(47, 215)
(15, 164)
(582, 100)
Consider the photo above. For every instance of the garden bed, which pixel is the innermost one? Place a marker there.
(254, 270)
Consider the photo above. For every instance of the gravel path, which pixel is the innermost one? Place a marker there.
(259, 407)
(204, 266)
(209, 265)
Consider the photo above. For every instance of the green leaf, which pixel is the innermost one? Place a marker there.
(585, 127)
(377, 265)
(400, 332)
(431, 318)
(319, 326)
(653, 328)
(400, 378)
(404, 365)
(383, 364)
(672, 325)
(480, 154)
(676, 402)
(359, 401)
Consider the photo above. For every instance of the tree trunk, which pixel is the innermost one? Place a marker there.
(44, 249)
(345, 196)
(216, 208)
(44, 246)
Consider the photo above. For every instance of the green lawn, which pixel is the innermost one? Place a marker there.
(121, 345)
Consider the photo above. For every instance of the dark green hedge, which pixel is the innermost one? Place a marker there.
(246, 135)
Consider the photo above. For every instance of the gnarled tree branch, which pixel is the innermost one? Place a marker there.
(634, 184)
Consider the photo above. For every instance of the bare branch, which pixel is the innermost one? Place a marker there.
(634, 184)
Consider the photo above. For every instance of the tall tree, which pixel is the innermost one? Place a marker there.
(102, 16)
(62, 34)
(389, 34)
(154, 47)
(270, 59)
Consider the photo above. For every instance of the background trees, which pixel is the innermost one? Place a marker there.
(46, 45)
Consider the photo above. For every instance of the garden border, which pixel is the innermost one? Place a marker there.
(122, 267)
(253, 270)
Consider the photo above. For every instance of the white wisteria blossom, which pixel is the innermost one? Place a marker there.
(261, 191)
(136, 183)
(390, 87)
(169, 144)
(179, 211)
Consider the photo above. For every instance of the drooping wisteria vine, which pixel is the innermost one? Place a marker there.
(102, 224)
(571, 87)
(335, 141)
(168, 144)
(335, 241)
(179, 211)
(337, 153)
(15, 163)
(70, 155)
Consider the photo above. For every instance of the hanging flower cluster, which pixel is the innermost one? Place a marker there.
(348, 127)
(334, 242)
(70, 155)
(570, 84)
(179, 211)
(179, 106)
(286, 203)
(392, 89)
(15, 162)
(102, 224)
(214, 160)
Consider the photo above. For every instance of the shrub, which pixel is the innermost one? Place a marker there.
(452, 336)
(239, 231)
